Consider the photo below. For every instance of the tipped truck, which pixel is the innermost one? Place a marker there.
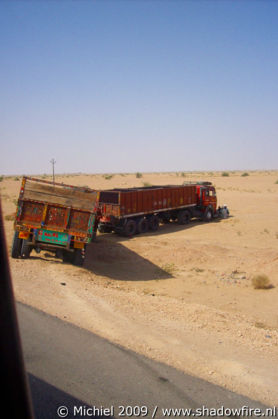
(55, 217)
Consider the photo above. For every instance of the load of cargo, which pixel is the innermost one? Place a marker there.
(65, 218)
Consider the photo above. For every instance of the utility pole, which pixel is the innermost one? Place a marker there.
(53, 161)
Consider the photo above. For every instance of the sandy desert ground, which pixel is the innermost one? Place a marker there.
(182, 295)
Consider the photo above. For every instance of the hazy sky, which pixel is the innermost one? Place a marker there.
(125, 86)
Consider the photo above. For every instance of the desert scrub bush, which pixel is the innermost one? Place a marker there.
(245, 174)
(182, 174)
(146, 184)
(16, 178)
(108, 177)
(138, 175)
(260, 325)
(10, 217)
(1, 178)
(225, 174)
(170, 268)
(197, 269)
(261, 282)
(276, 183)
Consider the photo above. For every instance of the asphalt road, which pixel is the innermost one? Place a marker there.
(71, 367)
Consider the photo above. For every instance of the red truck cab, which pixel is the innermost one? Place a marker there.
(206, 199)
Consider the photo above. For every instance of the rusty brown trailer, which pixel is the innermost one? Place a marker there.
(140, 201)
(131, 210)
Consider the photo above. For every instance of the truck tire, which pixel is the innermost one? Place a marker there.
(165, 217)
(25, 250)
(129, 228)
(103, 228)
(78, 258)
(154, 223)
(16, 246)
(119, 231)
(67, 257)
(142, 226)
(208, 214)
(184, 217)
(59, 254)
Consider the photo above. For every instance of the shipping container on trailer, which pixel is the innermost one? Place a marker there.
(137, 210)
(54, 216)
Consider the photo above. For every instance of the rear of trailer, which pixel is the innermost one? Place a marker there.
(54, 216)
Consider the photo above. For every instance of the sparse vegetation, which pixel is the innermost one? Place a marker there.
(225, 174)
(245, 174)
(138, 175)
(260, 325)
(276, 183)
(170, 268)
(1, 178)
(16, 178)
(261, 282)
(183, 174)
(198, 269)
(10, 217)
(146, 184)
(108, 177)
(266, 231)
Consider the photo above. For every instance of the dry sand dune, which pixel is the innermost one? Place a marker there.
(182, 295)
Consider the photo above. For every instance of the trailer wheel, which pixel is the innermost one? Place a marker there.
(25, 250)
(67, 257)
(129, 228)
(184, 217)
(208, 214)
(165, 217)
(119, 231)
(103, 228)
(142, 226)
(78, 258)
(16, 246)
(154, 223)
(59, 254)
